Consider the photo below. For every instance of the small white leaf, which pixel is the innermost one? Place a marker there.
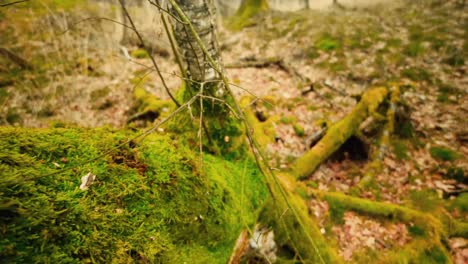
(87, 180)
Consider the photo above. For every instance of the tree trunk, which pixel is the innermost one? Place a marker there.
(201, 13)
(204, 70)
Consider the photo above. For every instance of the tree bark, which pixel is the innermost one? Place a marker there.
(201, 14)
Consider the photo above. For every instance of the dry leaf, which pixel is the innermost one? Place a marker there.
(87, 180)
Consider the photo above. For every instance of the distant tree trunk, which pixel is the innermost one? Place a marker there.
(307, 5)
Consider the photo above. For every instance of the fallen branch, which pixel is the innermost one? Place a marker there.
(375, 167)
(338, 133)
(440, 228)
(252, 62)
(15, 58)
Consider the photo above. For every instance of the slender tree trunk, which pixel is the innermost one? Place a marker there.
(201, 14)
(204, 69)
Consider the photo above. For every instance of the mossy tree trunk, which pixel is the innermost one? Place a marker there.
(203, 78)
(286, 212)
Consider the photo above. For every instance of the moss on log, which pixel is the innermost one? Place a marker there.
(150, 203)
(338, 133)
(148, 105)
(427, 248)
(246, 12)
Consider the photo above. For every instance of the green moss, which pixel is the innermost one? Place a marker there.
(140, 54)
(446, 91)
(444, 154)
(288, 120)
(299, 130)
(433, 255)
(455, 57)
(151, 203)
(245, 15)
(460, 203)
(414, 49)
(339, 133)
(3, 95)
(417, 74)
(100, 93)
(328, 43)
(394, 42)
(400, 149)
(13, 116)
(425, 200)
(455, 173)
(416, 230)
(312, 53)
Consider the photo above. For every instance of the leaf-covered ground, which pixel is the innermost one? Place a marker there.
(82, 76)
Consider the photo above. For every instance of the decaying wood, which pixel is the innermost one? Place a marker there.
(338, 133)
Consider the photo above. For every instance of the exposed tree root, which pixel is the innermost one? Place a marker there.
(436, 230)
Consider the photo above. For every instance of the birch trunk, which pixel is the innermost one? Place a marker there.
(202, 15)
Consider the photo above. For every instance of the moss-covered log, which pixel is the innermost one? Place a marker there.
(153, 202)
(428, 245)
(246, 12)
(439, 227)
(375, 167)
(338, 133)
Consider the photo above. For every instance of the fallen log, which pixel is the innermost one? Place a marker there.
(338, 133)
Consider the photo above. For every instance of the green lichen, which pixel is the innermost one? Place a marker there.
(154, 202)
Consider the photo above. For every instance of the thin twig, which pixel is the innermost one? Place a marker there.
(12, 3)
(158, 5)
(151, 56)
(94, 18)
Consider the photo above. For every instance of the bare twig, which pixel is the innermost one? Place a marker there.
(93, 18)
(151, 57)
(13, 3)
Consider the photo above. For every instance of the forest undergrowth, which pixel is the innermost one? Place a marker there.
(321, 62)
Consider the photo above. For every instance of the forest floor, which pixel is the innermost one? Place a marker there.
(331, 57)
